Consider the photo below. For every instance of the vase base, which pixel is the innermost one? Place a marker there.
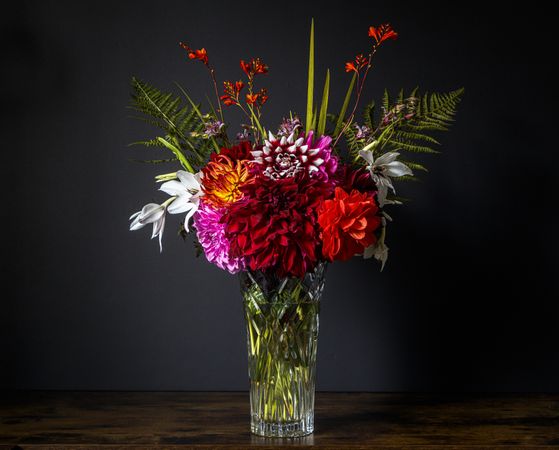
(295, 428)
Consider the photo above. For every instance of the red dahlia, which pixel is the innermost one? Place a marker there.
(349, 178)
(348, 222)
(274, 227)
(237, 152)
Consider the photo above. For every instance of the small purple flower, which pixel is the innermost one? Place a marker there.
(289, 126)
(213, 128)
(362, 132)
(243, 135)
(211, 235)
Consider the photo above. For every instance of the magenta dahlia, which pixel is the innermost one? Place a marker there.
(287, 156)
(211, 235)
(274, 227)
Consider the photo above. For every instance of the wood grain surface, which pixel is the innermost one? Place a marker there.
(172, 420)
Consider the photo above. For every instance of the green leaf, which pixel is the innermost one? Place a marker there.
(180, 155)
(345, 105)
(314, 117)
(324, 106)
(310, 82)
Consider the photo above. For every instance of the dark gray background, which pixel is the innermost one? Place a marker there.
(469, 298)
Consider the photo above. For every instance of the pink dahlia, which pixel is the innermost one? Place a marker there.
(287, 156)
(211, 235)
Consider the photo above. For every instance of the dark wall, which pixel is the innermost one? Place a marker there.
(469, 298)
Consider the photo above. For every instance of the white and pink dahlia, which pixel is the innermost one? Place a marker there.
(287, 156)
(211, 235)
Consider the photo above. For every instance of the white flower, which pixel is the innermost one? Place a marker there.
(382, 169)
(378, 250)
(187, 191)
(150, 213)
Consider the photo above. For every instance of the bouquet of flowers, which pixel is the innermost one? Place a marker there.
(277, 204)
(282, 201)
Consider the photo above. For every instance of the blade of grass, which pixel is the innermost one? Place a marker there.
(324, 106)
(180, 156)
(310, 83)
(345, 105)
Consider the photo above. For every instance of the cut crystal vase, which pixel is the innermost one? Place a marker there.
(282, 330)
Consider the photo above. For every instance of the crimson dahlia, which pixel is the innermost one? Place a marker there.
(274, 227)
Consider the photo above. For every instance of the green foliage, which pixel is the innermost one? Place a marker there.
(408, 119)
(341, 115)
(324, 106)
(353, 144)
(310, 82)
(180, 123)
(369, 116)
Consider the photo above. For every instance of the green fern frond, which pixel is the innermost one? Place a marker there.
(353, 144)
(412, 117)
(181, 123)
(369, 116)
(154, 161)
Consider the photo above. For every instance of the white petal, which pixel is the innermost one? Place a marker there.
(158, 228)
(271, 137)
(303, 158)
(386, 182)
(318, 161)
(266, 150)
(299, 141)
(136, 224)
(314, 151)
(256, 153)
(134, 215)
(267, 143)
(387, 158)
(304, 148)
(313, 169)
(367, 156)
(173, 187)
(189, 214)
(290, 138)
(188, 180)
(283, 140)
(381, 194)
(279, 150)
(397, 169)
(180, 204)
(292, 149)
(151, 213)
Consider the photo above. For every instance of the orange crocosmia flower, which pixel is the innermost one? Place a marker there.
(382, 33)
(200, 55)
(239, 85)
(349, 66)
(255, 66)
(259, 66)
(263, 96)
(347, 223)
(245, 67)
(252, 98)
(357, 65)
(228, 100)
(222, 179)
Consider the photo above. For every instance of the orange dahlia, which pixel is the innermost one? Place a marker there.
(348, 223)
(222, 178)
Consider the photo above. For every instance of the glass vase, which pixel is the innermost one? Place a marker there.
(282, 330)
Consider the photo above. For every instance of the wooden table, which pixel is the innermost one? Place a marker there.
(208, 420)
